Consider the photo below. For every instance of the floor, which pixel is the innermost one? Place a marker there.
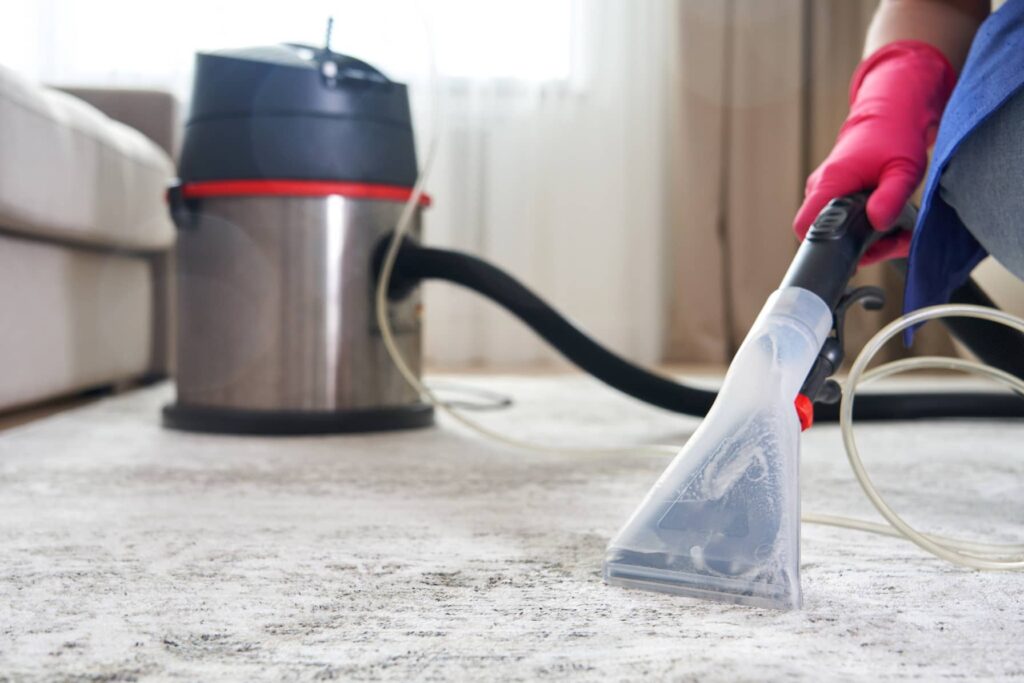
(23, 415)
(129, 552)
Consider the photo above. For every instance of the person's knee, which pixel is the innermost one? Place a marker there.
(982, 184)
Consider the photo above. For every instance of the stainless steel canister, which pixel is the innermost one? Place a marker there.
(276, 326)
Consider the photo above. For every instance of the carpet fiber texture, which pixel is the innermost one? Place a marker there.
(131, 552)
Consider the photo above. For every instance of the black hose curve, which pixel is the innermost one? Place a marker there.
(416, 263)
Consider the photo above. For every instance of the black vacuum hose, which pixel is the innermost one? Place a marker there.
(421, 263)
(415, 263)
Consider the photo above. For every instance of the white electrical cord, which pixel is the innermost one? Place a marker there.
(965, 553)
(486, 400)
(402, 228)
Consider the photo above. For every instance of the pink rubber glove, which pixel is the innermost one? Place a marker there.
(896, 100)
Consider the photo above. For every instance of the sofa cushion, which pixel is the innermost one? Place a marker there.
(68, 172)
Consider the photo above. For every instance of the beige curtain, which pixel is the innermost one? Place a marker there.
(761, 93)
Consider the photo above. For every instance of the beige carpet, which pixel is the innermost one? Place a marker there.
(129, 552)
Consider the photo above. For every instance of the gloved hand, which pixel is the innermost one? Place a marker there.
(896, 100)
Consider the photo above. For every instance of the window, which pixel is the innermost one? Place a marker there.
(131, 43)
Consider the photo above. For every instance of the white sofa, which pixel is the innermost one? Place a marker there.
(84, 240)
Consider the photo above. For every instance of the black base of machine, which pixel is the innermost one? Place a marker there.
(296, 422)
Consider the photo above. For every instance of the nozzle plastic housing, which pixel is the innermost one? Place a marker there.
(723, 521)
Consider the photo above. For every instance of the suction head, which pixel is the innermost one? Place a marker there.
(723, 522)
(726, 526)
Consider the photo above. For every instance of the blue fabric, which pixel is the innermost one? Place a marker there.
(943, 253)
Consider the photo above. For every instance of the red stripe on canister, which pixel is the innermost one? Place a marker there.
(298, 188)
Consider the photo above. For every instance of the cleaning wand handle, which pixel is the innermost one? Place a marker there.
(835, 244)
(824, 265)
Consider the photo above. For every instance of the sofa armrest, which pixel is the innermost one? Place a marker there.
(154, 113)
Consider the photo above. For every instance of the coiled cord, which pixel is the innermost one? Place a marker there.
(964, 553)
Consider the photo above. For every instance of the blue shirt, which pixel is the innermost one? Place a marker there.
(943, 253)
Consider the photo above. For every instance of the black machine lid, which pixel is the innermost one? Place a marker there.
(294, 79)
(296, 112)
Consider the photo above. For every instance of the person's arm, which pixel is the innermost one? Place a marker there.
(913, 51)
(948, 25)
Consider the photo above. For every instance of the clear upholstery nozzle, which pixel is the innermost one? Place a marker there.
(723, 521)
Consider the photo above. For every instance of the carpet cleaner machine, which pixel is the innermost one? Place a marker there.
(298, 312)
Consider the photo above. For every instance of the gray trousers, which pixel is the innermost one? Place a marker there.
(984, 184)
